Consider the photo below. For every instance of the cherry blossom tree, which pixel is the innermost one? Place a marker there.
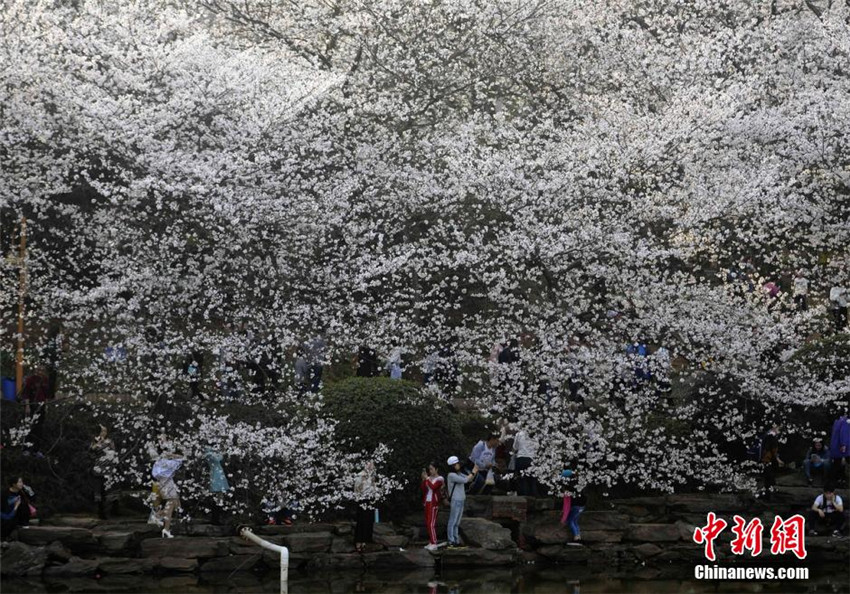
(237, 178)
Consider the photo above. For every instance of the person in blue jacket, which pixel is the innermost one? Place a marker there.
(11, 506)
(456, 486)
(839, 448)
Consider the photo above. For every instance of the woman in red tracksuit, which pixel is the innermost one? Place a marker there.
(432, 494)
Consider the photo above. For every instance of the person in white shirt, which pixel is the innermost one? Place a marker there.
(525, 449)
(801, 291)
(827, 512)
(484, 457)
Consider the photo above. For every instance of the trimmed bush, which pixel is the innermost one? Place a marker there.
(415, 425)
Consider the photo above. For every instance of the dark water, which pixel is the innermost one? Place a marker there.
(560, 579)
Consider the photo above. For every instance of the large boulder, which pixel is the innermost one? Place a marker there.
(342, 545)
(566, 553)
(603, 520)
(601, 536)
(652, 532)
(478, 558)
(391, 541)
(74, 567)
(478, 506)
(56, 551)
(116, 543)
(403, 559)
(186, 548)
(548, 534)
(344, 529)
(72, 521)
(486, 534)
(308, 542)
(382, 528)
(78, 540)
(19, 559)
(511, 508)
(686, 531)
(125, 565)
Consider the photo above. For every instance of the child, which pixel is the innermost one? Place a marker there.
(432, 484)
(574, 504)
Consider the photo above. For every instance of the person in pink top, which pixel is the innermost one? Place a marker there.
(432, 495)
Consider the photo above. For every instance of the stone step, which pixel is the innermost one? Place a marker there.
(72, 520)
(796, 479)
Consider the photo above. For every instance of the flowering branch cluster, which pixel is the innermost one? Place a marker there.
(235, 178)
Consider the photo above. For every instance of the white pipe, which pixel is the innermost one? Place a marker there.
(248, 534)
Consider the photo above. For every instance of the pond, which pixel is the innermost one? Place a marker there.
(546, 580)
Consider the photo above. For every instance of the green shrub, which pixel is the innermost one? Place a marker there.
(415, 425)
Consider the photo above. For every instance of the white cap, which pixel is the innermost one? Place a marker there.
(452, 460)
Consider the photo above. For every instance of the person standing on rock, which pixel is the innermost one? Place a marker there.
(839, 447)
(525, 449)
(483, 456)
(104, 449)
(457, 496)
(770, 460)
(163, 472)
(218, 481)
(573, 507)
(365, 493)
(432, 485)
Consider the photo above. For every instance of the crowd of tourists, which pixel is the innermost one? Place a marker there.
(476, 474)
(443, 485)
(501, 458)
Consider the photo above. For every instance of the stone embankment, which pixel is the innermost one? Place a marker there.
(644, 532)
